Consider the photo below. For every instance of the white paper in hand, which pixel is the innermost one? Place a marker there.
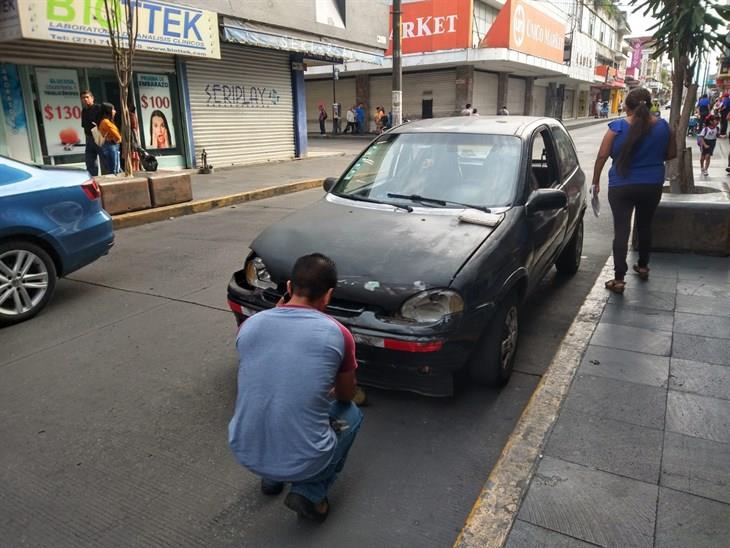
(595, 202)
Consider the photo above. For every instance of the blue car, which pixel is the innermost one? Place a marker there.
(51, 224)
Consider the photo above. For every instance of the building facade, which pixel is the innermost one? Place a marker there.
(218, 76)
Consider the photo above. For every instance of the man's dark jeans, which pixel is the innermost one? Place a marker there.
(91, 156)
(723, 121)
(624, 200)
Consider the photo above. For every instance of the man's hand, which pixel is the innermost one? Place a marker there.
(596, 188)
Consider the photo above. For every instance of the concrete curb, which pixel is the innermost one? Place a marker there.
(491, 518)
(145, 216)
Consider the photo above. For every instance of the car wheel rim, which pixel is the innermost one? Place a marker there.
(23, 281)
(509, 342)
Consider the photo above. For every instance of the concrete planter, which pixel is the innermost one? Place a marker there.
(121, 194)
(696, 223)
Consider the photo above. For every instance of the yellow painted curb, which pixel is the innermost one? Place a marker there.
(145, 216)
(491, 518)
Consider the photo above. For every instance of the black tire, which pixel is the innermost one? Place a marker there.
(22, 298)
(488, 365)
(568, 261)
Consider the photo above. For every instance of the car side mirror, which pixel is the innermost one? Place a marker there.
(546, 199)
(329, 183)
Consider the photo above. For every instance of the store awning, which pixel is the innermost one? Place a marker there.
(243, 32)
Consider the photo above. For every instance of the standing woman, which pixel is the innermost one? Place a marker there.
(112, 138)
(639, 145)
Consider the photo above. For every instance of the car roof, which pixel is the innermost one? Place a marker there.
(491, 125)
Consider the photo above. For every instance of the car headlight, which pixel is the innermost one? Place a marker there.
(257, 275)
(432, 306)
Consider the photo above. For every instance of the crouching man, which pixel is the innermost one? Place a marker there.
(294, 420)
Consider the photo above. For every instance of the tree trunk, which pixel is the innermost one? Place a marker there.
(686, 180)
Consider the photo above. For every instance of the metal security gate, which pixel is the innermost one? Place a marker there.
(440, 87)
(484, 94)
(516, 96)
(320, 91)
(241, 106)
(569, 104)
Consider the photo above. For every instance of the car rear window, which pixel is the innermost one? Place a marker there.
(10, 175)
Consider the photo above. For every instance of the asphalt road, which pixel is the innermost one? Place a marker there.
(114, 404)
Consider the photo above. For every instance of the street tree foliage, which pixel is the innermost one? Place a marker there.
(685, 31)
(122, 23)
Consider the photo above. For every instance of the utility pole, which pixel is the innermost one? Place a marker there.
(397, 98)
(335, 113)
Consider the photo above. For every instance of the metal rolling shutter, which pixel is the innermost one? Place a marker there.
(516, 96)
(539, 95)
(442, 88)
(242, 134)
(320, 91)
(57, 54)
(380, 95)
(484, 95)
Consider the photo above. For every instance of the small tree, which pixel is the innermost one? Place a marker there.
(685, 30)
(122, 23)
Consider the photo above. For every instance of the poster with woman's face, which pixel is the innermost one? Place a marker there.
(156, 118)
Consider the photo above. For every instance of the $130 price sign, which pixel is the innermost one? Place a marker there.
(60, 112)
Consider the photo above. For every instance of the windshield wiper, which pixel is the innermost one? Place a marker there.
(372, 201)
(437, 201)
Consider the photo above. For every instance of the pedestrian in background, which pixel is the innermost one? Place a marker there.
(474, 112)
(350, 117)
(638, 145)
(379, 119)
(724, 113)
(503, 111)
(322, 118)
(90, 117)
(703, 105)
(466, 111)
(707, 139)
(112, 138)
(360, 118)
(294, 420)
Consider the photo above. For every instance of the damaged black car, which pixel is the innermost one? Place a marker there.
(439, 230)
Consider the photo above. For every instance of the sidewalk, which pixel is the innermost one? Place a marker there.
(626, 441)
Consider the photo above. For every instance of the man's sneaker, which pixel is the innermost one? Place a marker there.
(269, 487)
(727, 169)
(305, 508)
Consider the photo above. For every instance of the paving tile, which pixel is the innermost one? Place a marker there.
(697, 466)
(703, 275)
(631, 316)
(649, 341)
(624, 365)
(527, 535)
(702, 349)
(703, 288)
(612, 446)
(619, 400)
(698, 416)
(686, 521)
(661, 284)
(656, 300)
(697, 324)
(701, 378)
(591, 505)
(696, 304)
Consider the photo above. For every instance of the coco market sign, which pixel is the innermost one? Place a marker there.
(163, 27)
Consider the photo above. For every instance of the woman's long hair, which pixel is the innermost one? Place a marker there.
(106, 111)
(637, 104)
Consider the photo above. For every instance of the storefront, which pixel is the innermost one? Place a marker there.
(51, 54)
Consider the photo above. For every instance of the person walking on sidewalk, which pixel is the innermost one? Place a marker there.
(466, 111)
(638, 145)
(350, 117)
(360, 118)
(724, 114)
(322, 118)
(90, 117)
(707, 139)
(294, 419)
(703, 105)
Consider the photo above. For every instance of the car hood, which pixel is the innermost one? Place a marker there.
(382, 256)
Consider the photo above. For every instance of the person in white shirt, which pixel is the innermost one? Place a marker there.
(466, 111)
(350, 117)
(503, 111)
(707, 140)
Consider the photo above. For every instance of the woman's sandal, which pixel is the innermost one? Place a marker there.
(616, 286)
(642, 272)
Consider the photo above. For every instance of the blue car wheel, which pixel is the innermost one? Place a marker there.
(27, 281)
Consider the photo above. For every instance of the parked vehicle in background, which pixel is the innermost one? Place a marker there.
(439, 231)
(51, 224)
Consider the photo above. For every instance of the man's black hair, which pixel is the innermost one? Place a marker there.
(313, 275)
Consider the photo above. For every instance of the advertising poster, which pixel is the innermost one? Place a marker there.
(156, 118)
(16, 124)
(58, 91)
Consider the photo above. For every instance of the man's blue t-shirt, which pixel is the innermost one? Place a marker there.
(289, 357)
(703, 103)
(360, 113)
(647, 163)
(726, 103)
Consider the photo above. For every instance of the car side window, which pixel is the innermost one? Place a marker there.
(566, 152)
(543, 164)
